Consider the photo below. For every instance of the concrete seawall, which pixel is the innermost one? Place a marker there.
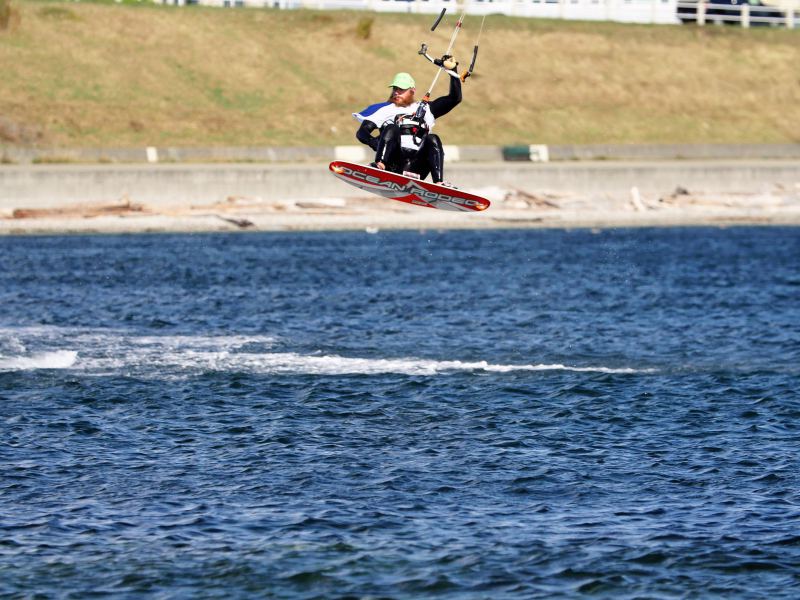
(360, 153)
(164, 185)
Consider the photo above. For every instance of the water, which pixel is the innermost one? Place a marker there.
(504, 414)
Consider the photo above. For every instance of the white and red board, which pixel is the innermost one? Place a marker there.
(406, 189)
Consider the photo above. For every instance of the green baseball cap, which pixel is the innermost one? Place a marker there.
(403, 81)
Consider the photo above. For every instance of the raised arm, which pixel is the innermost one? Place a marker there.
(444, 104)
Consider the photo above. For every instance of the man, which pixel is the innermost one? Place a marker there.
(404, 143)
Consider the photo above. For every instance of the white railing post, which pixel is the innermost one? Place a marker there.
(745, 16)
(790, 16)
(701, 13)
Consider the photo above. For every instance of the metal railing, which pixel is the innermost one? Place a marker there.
(739, 12)
(747, 13)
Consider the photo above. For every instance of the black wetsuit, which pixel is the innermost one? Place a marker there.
(429, 158)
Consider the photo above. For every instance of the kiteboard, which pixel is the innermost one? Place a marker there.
(407, 189)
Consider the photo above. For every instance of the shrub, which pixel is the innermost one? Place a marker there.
(57, 13)
(364, 28)
(9, 15)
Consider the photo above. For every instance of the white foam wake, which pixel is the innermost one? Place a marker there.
(340, 365)
(116, 352)
(60, 359)
(289, 363)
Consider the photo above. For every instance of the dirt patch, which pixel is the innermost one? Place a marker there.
(19, 133)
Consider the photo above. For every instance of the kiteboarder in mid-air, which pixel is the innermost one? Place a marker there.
(406, 152)
(405, 143)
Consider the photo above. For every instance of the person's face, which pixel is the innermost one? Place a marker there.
(402, 97)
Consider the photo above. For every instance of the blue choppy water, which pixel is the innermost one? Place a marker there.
(494, 414)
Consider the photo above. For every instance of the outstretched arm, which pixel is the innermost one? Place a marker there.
(444, 104)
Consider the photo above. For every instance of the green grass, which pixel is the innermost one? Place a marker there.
(107, 74)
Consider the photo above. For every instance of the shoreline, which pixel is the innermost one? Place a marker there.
(373, 219)
(102, 199)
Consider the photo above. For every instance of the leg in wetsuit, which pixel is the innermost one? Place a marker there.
(389, 151)
(429, 159)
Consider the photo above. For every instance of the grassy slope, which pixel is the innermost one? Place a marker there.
(120, 75)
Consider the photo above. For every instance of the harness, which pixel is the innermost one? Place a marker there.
(412, 131)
